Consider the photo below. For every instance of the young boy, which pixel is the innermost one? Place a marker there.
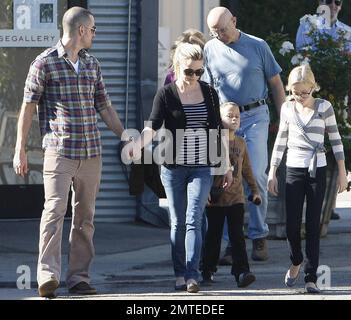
(230, 204)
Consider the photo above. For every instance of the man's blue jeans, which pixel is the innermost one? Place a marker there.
(187, 190)
(254, 129)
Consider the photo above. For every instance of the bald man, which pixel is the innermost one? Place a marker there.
(240, 67)
(66, 85)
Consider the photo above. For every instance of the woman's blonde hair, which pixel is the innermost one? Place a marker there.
(186, 51)
(302, 74)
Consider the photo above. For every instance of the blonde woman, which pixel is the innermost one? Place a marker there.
(190, 35)
(184, 107)
(303, 123)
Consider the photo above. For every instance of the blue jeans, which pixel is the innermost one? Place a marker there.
(187, 190)
(254, 129)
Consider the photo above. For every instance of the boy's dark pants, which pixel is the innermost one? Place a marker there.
(235, 220)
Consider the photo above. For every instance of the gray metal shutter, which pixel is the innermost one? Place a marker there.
(110, 47)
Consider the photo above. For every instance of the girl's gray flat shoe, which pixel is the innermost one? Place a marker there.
(290, 281)
(311, 287)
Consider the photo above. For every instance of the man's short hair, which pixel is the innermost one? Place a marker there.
(75, 17)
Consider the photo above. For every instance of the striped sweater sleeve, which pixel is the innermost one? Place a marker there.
(281, 140)
(333, 133)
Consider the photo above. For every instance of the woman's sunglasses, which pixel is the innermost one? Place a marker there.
(191, 72)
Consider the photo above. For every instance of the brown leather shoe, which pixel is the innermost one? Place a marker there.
(47, 289)
(259, 249)
(82, 288)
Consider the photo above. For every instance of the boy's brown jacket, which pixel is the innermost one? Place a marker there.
(239, 159)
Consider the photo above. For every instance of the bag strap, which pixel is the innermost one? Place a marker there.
(219, 132)
(214, 106)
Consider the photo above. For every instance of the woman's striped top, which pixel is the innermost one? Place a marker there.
(193, 150)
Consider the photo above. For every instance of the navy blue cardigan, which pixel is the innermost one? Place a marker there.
(167, 109)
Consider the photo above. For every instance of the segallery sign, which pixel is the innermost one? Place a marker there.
(35, 24)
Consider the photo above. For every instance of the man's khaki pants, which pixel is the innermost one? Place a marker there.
(59, 174)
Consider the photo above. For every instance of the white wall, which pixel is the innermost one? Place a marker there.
(174, 18)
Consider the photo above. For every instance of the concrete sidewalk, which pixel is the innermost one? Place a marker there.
(133, 263)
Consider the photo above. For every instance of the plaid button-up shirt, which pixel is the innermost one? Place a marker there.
(67, 102)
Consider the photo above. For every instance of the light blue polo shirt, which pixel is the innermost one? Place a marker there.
(303, 39)
(239, 71)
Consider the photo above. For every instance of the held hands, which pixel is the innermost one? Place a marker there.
(128, 150)
(131, 151)
(20, 163)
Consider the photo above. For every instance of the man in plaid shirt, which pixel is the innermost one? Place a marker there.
(66, 84)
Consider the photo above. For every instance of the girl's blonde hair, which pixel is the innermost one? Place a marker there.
(186, 51)
(302, 74)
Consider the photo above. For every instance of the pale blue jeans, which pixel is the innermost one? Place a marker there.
(187, 190)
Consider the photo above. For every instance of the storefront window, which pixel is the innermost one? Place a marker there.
(24, 26)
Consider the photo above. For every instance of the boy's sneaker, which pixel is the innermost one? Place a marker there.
(207, 278)
(245, 279)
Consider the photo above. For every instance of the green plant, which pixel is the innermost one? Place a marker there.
(332, 68)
